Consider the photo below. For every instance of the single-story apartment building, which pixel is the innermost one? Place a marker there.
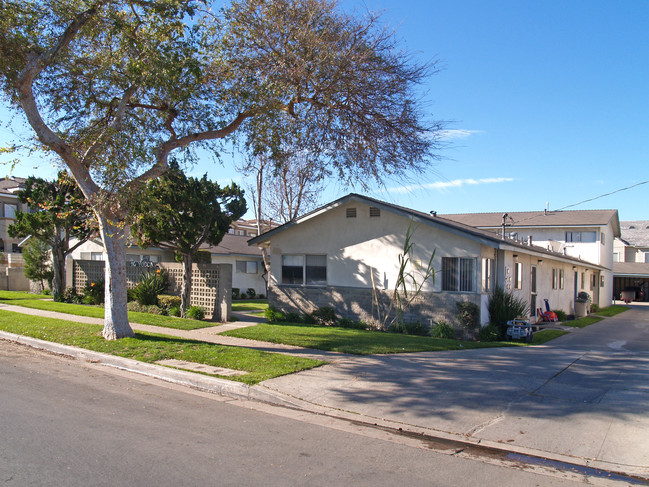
(346, 253)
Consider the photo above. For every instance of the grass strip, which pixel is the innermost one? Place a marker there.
(98, 312)
(249, 304)
(543, 336)
(612, 310)
(358, 342)
(582, 322)
(151, 347)
(17, 295)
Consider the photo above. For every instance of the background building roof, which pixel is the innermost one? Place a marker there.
(570, 218)
(11, 184)
(635, 233)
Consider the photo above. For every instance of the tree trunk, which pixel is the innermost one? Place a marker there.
(186, 292)
(58, 283)
(116, 323)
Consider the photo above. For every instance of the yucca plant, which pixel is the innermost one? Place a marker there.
(150, 286)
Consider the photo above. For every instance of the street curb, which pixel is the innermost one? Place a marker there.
(224, 387)
(239, 390)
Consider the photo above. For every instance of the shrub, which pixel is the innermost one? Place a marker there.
(93, 292)
(561, 315)
(345, 323)
(468, 314)
(150, 286)
(415, 328)
(504, 306)
(273, 314)
(325, 316)
(594, 308)
(443, 329)
(68, 296)
(235, 293)
(396, 327)
(142, 308)
(130, 295)
(174, 311)
(47, 292)
(361, 325)
(166, 301)
(292, 317)
(261, 296)
(489, 333)
(195, 313)
(309, 319)
(251, 293)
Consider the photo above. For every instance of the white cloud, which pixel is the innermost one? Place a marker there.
(458, 133)
(443, 185)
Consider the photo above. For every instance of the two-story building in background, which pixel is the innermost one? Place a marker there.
(588, 235)
(631, 260)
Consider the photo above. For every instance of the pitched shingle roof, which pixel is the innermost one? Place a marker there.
(11, 182)
(530, 219)
(450, 225)
(635, 233)
(233, 245)
(638, 269)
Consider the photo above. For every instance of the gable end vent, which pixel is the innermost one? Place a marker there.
(351, 212)
(375, 212)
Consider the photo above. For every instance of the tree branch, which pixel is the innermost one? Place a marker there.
(114, 125)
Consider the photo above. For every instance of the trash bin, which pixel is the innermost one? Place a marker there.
(582, 305)
(581, 308)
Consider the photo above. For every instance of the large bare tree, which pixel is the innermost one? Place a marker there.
(113, 87)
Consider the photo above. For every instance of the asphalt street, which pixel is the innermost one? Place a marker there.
(68, 423)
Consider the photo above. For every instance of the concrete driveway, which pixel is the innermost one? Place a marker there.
(584, 395)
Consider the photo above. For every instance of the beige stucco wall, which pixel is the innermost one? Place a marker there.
(241, 280)
(559, 298)
(357, 247)
(596, 252)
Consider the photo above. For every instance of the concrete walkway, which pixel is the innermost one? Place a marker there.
(208, 334)
(582, 398)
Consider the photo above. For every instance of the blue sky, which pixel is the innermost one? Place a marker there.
(548, 103)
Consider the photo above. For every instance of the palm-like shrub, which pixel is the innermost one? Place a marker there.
(504, 306)
(150, 286)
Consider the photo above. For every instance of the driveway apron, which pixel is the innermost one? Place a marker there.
(584, 395)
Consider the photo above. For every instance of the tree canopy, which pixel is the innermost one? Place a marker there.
(182, 213)
(60, 213)
(112, 87)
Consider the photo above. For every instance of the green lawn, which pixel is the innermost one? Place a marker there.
(359, 342)
(249, 304)
(16, 295)
(149, 347)
(32, 301)
(543, 336)
(582, 322)
(612, 310)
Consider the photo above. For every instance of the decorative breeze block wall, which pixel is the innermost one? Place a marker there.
(211, 283)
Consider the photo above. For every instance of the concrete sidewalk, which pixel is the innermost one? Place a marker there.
(581, 399)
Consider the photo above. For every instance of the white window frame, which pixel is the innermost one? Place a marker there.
(307, 279)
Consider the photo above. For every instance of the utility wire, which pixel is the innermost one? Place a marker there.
(518, 222)
(602, 195)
